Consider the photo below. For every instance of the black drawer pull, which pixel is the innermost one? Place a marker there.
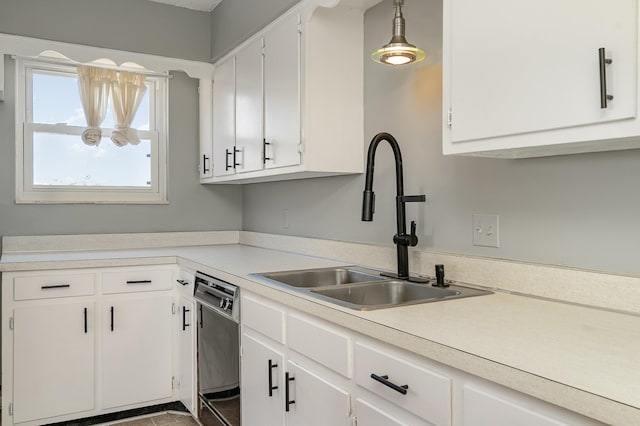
(287, 402)
(183, 282)
(85, 320)
(139, 282)
(385, 381)
(48, 287)
(271, 387)
(112, 318)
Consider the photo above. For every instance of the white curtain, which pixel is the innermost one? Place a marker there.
(127, 92)
(94, 84)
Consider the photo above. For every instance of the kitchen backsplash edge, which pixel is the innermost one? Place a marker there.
(590, 288)
(54, 243)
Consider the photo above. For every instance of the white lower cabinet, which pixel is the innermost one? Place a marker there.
(486, 404)
(136, 350)
(370, 412)
(331, 371)
(186, 342)
(262, 387)
(314, 400)
(415, 388)
(53, 360)
(80, 343)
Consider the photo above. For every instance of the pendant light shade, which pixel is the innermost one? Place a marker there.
(398, 51)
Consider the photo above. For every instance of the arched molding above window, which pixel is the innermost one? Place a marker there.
(81, 54)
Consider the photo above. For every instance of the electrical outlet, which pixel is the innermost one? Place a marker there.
(486, 230)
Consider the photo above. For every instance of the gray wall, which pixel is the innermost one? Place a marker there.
(134, 25)
(233, 21)
(149, 28)
(577, 210)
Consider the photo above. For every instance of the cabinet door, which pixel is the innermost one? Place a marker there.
(224, 117)
(282, 92)
(136, 350)
(187, 354)
(484, 407)
(318, 402)
(53, 371)
(368, 414)
(249, 107)
(261, 367)
(522, 67)
(205, 97)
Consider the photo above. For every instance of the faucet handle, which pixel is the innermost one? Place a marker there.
(413, 198)
(413, 239)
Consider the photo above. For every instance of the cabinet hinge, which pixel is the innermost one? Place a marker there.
(11, 325)
(449, 118)
(11, 408)
(354, 421)
(173, 308)
(241, 351)
(301, 148)
(173, 382)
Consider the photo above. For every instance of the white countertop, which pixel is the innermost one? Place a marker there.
(585, 359)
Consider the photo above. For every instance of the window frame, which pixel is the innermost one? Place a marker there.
(28, 193)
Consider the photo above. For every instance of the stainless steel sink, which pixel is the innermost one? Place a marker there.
(387, 294)
(324, 277)
(365, 289)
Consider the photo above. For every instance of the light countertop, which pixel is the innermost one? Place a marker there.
(585, 359)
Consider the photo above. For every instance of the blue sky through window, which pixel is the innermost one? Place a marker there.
(63, 159)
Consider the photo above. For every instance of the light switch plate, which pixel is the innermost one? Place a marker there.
(486, 230)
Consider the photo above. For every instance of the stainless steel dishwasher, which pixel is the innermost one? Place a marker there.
(218, 309)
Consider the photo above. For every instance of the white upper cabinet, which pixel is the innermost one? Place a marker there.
(524, 79)
(224, 117)
(249, 99)
(282, 93)
(297, 108)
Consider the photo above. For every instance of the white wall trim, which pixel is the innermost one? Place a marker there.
(34, 47)
(84, 242)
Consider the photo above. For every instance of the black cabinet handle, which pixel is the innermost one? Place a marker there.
(112, 318)
(264, 151)
(184, 318)
(85, 320)
(183, 282)
(48, 287)
(226, 160)
(384, 380)
(201, 316)
(287, 402)
(139, 282)
(603, 62)
(271, 387)
(205, 169)
(235, 151)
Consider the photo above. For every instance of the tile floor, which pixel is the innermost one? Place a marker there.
(166, 419)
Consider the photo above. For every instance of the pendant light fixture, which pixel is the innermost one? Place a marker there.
(398, 51)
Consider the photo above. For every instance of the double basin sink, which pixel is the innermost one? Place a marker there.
(365, 289)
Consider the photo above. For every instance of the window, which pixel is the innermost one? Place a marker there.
(53, 163)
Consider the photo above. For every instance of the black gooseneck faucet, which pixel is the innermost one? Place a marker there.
(402, 240)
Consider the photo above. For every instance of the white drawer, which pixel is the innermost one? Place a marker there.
(54, 284)
(374, 413)
(428, 394)
(263, 317)
(135, 280)
(321, 342)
